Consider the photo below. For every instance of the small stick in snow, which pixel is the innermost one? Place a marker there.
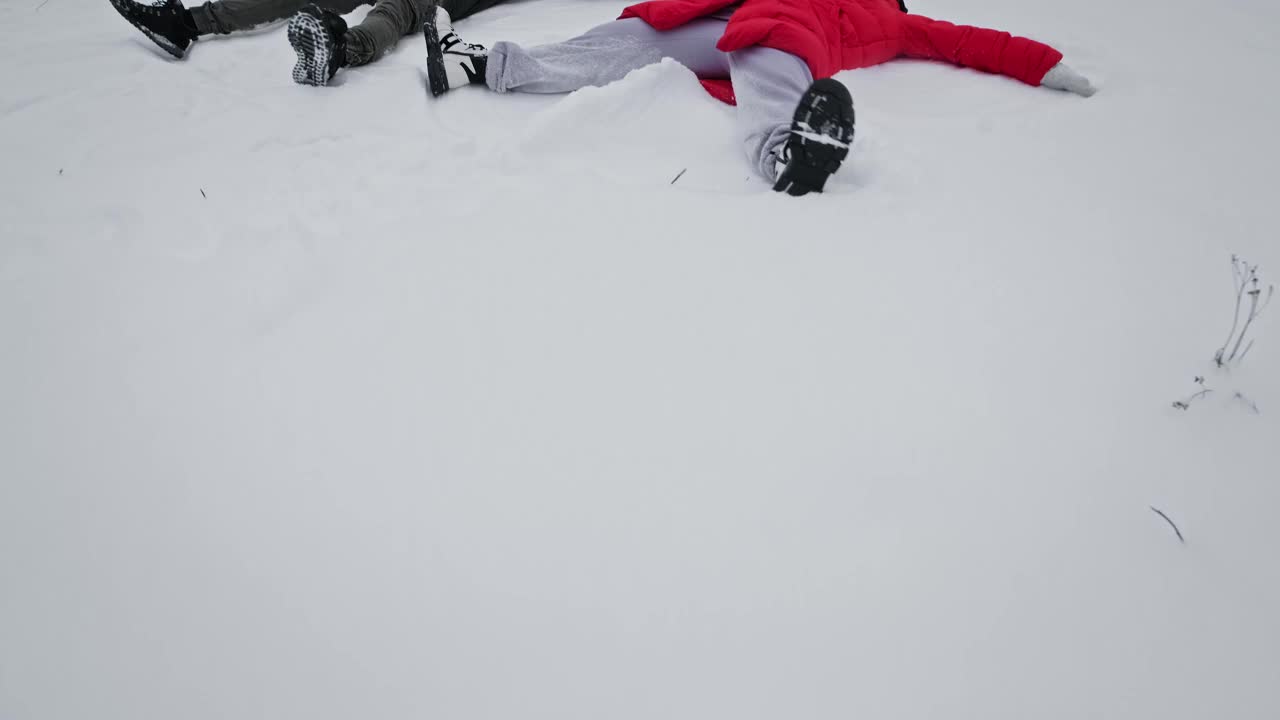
(1171, 524)
(1246, 350)
(206, 197)
(46, 2)
(678, 176)
(1246, 284)
(1239, 280)
(1255, 310)
(1186, 404)
(1248, 403)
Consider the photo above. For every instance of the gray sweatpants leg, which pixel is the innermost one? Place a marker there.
(227, 16)
(604, 54)
(768, 83)
(390, 20)
(382, 28)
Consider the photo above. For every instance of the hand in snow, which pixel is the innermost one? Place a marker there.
(1061, 77)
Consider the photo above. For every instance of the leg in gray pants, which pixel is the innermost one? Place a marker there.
(390, 20)
(376, 35)
(382, 28)
(768, 83)
(221, 17)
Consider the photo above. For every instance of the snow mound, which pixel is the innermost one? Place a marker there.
(643, 129)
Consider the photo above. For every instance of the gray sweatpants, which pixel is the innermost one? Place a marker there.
(382, 28)
(768, 83)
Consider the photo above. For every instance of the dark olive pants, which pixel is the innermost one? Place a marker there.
(382, 28)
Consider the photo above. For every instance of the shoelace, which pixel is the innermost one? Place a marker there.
(450, 41)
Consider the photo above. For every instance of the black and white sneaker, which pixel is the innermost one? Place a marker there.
(167, 23)
(451, 63)
(318, 36)
(821, 133)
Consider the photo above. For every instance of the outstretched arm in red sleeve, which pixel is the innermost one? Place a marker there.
(992, 51)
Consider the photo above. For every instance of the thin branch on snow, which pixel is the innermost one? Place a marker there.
(1253, 406)
(1245, 282)
(1238, 284)
(1157, 511)
(1255, 310)
(1185, 403)
(678, 176)
(1246, 350)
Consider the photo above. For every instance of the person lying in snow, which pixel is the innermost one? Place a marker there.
(761, 55)
(318, 33)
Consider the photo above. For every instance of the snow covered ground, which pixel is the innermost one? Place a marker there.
(347, 403)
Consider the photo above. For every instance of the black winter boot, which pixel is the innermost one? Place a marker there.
(821, 133)
(167, 23)
(318, 36)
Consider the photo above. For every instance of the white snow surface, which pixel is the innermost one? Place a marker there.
(351, 403)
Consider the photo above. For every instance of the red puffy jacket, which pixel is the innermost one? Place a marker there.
(835, 35)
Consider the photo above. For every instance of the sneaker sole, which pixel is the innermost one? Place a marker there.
(437, 80)
(815, 155)
(308, 38)
(163, 42)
